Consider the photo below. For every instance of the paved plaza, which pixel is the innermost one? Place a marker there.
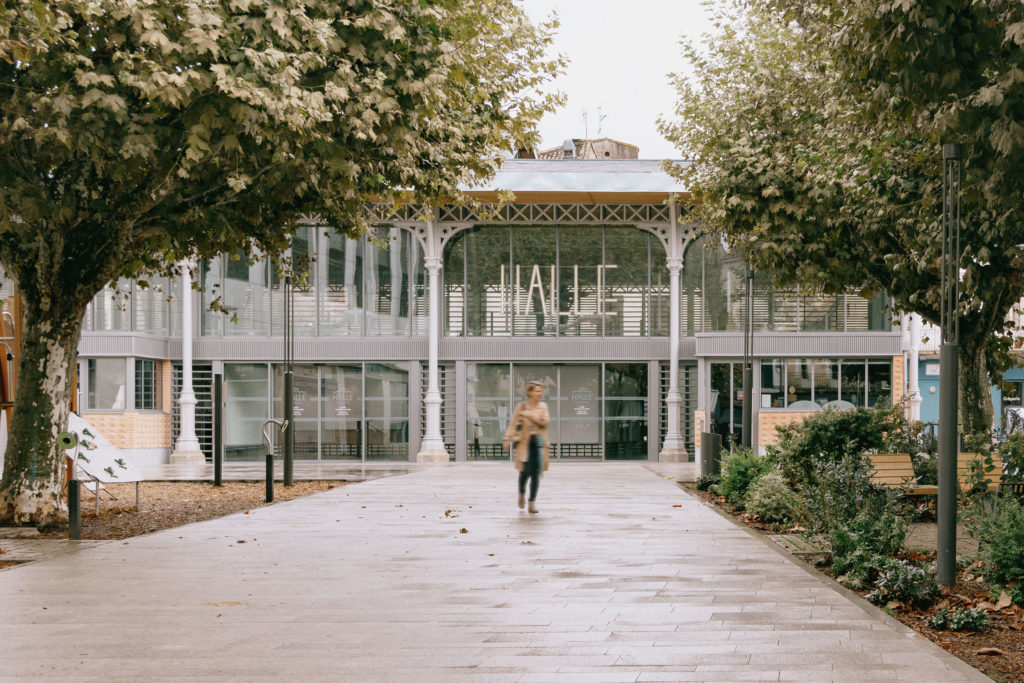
(435, 575)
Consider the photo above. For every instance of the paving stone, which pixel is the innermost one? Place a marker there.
(372, 582)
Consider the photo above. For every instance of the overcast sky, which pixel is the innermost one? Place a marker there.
(620, 53)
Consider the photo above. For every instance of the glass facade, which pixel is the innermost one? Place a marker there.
(714, 299)
(145, 384)
(345, 411)
(576, 281)
(598, 411)
(822, 383)
(106, 381)
(603, 286)
(152, 306)
(370, 287)
(725, 405)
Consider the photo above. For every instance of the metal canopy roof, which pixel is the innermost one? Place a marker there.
(617, 181)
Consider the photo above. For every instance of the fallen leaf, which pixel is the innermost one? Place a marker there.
(678, 506)
(241, 540)
(894, 604)
(490, 554)
(225, 604)
(463, 530)
(990, 651)
(2, 551)
(986, 606)
(1004, 600)
(447, 513)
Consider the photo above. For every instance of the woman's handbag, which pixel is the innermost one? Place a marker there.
(518, 433)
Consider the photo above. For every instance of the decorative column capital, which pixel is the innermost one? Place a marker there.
(675, 264)
(433, 263)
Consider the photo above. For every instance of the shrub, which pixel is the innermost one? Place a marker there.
(858, 567)
(960, 619)
(926, 467)
(832, 435)
(980, 473)
(839, 490)
(706, 481)
(1000, 535)
(904, 582)
(772, 500)
(877, 531)
(864, 546)
(1012, 453)
(739, 469)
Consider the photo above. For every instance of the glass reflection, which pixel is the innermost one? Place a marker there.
(246, 393)
(626, 282)
(488, 406)
(534, 310)
(625, 425)
(488, 286)
(580, 295)
(341, 314)
(341, 398)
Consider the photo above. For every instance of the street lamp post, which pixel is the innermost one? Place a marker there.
(289, 398)
(748, 369)
(948, 363)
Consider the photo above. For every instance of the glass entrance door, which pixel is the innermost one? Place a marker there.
(579, 412)
(598, 411)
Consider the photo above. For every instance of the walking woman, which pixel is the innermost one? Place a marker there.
(528, 431)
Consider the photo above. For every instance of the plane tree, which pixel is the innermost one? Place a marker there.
(816, 130)
(135, 134)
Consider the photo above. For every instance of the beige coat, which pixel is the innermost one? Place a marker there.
(539, 419)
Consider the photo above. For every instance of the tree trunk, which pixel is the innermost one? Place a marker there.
(34, 469)
(975, 397)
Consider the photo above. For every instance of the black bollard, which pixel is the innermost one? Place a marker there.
(710, 453)
(270, 477)
(218, 429)
(74, 510)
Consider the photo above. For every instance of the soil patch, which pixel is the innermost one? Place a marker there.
(169, 504)
(997, 650)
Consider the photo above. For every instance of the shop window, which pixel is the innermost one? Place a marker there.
(879, 382)
(145, 385)
(106, 382)
(246, 394)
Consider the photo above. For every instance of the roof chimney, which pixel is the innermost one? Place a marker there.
(568, 149)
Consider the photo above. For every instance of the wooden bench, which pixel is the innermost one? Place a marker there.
(896, 471)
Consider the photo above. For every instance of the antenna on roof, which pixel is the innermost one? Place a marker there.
(586, 134)
(601, 116)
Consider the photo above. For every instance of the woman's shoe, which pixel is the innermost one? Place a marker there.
(533, 507)
(522, 500)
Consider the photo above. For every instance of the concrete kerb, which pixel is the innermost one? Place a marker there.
(869, 609)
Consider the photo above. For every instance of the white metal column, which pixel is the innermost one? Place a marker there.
(674, 448)
(432, 449)
(913, 353)
(187, 451)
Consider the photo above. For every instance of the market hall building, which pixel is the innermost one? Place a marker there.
(415, 342)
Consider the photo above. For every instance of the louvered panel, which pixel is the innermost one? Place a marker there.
(202, 385)
(688, 392)
(446, 380)
(857, 314)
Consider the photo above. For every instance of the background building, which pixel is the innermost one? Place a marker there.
(593, 281)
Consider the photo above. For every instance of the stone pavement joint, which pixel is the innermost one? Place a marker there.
(375, 582)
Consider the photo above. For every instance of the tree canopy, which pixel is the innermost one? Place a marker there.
(816, 128)
(136, 133)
